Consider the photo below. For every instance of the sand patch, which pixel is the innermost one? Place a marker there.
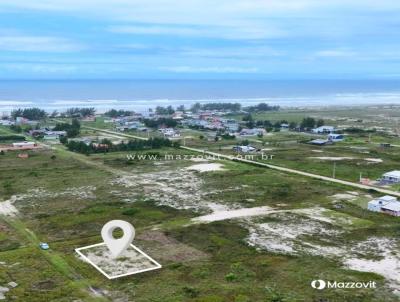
(209, 167)
(332, 158)
(181, 189)
(285, 234)
(374, 160)
(7, 207)
(231, 214)
(344, 196)
(199, 159)
(388, 265)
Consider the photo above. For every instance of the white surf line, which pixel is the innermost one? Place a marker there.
(279, 168)
(232, 214)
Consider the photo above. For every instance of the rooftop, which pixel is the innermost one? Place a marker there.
(395, 174)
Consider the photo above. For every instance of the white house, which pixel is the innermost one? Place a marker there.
(6, 123)
(244, 149)
(169, 132)
(252, 132)
(323, 129)
(333, 137)
(24, 144)
(392, 208)
(376, 205)
(392, 176)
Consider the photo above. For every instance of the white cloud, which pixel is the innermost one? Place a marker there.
(230, 19)
(227, 69)
(37, 44)
(335, 53)
(230, 33)
(38, 68)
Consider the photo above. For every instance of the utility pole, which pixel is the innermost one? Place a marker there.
(334, 170)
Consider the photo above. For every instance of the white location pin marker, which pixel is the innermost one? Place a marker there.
(117, 246)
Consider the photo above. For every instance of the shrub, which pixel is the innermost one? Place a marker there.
(130, 212)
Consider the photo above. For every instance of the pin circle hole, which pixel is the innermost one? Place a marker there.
(117, 233)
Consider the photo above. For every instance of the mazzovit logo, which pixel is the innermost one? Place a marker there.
(322, 284)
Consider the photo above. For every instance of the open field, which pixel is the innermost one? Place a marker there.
(223, 230)
(65, 201)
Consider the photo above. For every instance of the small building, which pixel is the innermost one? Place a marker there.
(252, 132)
(6, 122)
(320, 142)
(376, 205)
(323, 129)
(392, 208)
(169, 132)
(391, 177)
(284, 126)
(244, 149)
(24, 144)
(333, 137)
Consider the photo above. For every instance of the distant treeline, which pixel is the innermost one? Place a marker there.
(29, 113)
(165, 110)
(261, 108)
(79, 112)
(117, 113)
(133, 145)
(235, 107)
(307, 123)
(167, 122)
(355, 130)
(12, 137)
(36, 114)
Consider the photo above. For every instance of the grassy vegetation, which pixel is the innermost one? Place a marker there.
(65, 198)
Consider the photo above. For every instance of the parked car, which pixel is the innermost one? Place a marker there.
(44, 245)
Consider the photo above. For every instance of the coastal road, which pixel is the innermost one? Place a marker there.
(265, 165)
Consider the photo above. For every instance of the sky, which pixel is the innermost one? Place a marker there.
(199, 39)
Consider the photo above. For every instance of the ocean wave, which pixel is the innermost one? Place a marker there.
(83, 102)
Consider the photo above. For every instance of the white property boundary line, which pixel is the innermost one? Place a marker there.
(157, 265)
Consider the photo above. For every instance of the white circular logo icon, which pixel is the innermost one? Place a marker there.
(318, 284)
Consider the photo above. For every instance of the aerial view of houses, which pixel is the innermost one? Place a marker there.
(292, 173)
(199, 151)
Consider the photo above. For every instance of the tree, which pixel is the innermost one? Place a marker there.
(195, 107)
(181, 108)
(63, 140)
(308, 123)
(80, 112)
(16, 128)
(320, 122)
(72, 129)
(261, 107)
(164, 110)
(292, 125)
(29, 113)
(116, 113)
(248, 118)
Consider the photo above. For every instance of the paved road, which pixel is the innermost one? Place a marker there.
(278, 168)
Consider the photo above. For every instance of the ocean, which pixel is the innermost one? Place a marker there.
(140, 95)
